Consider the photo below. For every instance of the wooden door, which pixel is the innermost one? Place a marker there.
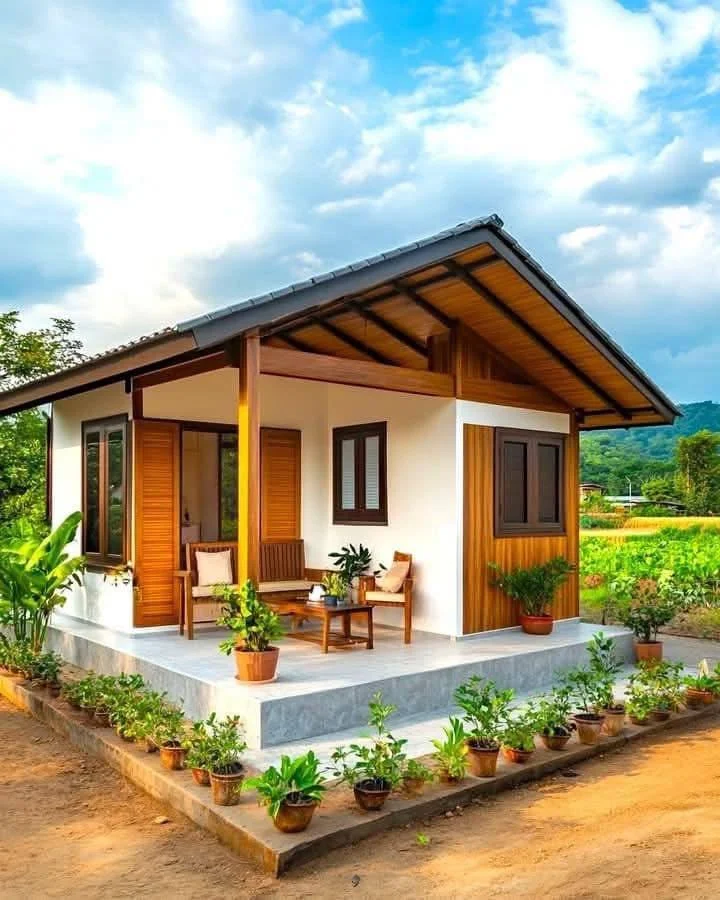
(280, 457)
(156, 459)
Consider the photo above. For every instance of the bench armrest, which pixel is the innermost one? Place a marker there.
(181, 573)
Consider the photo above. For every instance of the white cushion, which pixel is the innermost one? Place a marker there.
(382, 597)
(214, 568)
(392, 580)
(274, 587)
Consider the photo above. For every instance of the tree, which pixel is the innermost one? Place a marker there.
(25, 356)
(698, 462)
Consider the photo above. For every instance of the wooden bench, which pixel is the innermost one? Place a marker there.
(283, 576)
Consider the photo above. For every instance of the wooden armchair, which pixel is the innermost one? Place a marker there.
(402, 599)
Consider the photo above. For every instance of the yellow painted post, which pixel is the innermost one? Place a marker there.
(249, 460)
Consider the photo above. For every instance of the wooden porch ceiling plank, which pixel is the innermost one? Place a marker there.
(352, 341)
(482, 291)
(397, 333)
(339, 370)
(411, 293)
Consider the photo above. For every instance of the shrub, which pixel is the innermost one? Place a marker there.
(485, 709)
(533, 587)
(248, 618)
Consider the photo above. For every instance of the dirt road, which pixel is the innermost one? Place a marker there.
(643, 823)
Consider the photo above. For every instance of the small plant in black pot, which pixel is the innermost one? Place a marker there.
(375, 768)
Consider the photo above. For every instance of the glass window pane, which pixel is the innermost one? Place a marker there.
(92, 492)
(514, 485)
(549, 483)
(372, 472)
(115, 492)
(347, 474)
(228, 487)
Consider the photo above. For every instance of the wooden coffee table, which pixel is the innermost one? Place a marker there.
(325, 614)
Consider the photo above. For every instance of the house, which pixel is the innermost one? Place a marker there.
(590, 489)
(427, 399)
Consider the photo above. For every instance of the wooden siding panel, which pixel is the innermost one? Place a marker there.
(485, 607)
(157, 520)
(280, 466)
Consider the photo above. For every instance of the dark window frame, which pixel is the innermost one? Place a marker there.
(360, 515)
(533, 527)
(104, 426)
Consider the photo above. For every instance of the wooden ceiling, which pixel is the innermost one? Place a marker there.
(391, 324)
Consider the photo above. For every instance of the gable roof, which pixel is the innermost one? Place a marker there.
(475, 271)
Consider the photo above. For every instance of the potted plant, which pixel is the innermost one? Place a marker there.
(645, 614)
(375, 768)
(414, 777)
(335, 587)
(534, 588)
(588, 691)
(451, 753)
(199, 751)
(606, 666)
(292, 792)
(169, 735)
(700, 689)
(639, 707)
(553, 718)
(485, 709)
(518, 738)
(254, 627)
(226, 747)
(351, 562)
(662, 682)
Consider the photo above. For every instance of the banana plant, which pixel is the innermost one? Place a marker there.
(35, 575)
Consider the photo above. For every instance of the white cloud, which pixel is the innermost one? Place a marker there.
(346, 14)
(579, 238)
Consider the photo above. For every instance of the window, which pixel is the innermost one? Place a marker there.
(105, 491)
(360, 474)
(529, 483)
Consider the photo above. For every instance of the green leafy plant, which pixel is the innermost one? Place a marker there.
(297, 781)
(661, 682)
(226, 745)
(533, 587)
(248, 618)
(648, 610)
(35, 575)
(335, 585)
(485, 709)
(520, 729)
(640, 705)
(553, 712)
(351, 562)
(422, 839)
(380, 763)
(586, 688)
(451, 752)
(199, 750)
(415, 771)
(169, 728)
(606, 667)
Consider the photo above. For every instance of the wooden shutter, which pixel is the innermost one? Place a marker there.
(280, 458)
(157, 520)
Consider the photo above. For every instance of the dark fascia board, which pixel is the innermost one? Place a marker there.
(507, 247)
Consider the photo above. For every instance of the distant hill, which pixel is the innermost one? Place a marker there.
(609, 457)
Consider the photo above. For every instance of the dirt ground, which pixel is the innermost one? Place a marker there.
(644, 822)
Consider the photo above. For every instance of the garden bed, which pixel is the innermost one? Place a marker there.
(248, 830)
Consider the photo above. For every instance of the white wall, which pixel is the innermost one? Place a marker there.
(210, 397)
(96, 600)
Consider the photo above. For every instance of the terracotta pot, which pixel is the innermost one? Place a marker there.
(226, 788)
(55, 689)
(589, 726)
(660, 715)
(614, 722)
(148, 745)
(256, 666)
(102, 717)
(555, 741)
(517, 756)
(201, 777)
(637, 721)
(413, 787)
(172, 757)
(536, 624)
(446, 778)
(89, 712)
(369, 797)
(648, 651)
(482, 761)
(695, 698)
(294, 817)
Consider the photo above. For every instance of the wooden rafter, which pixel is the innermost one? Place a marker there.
(296, 343)
(352, 341)
(389, 328)
(468, 278)
(411, 293)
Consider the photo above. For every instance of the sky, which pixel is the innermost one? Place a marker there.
(160, 158)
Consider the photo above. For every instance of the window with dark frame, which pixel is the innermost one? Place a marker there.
(360, 474)
(104, 506)
(529, 483)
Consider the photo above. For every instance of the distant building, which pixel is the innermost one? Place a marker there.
(626, 502)
(590, 488)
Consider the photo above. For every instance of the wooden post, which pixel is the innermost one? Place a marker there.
(248, 362)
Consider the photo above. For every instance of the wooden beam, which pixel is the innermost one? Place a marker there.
(249, 459)
(411, 293)
(397, 333)
(333, 369)
(182, 370)
(137, 404)
(504, 393)
(296, 343)
(352, 341)
(490, 297)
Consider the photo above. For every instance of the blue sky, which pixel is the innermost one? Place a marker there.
(160, 159)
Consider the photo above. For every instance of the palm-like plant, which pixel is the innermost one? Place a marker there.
(297, 781)
(35, 575)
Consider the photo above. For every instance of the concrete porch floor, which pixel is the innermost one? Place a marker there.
(317, 694)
